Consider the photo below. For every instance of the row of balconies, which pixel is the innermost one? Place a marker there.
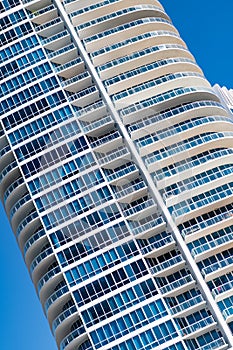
(39, 255)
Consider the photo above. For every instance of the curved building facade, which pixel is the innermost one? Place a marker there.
(116, 175)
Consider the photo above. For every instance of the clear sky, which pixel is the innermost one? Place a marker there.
(207, 28)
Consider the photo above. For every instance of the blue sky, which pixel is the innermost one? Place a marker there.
(207, 28)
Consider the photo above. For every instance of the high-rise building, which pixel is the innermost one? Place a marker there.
(116, 175)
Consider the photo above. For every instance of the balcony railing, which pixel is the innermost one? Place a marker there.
(147, 226)
(157, 245)
(97, 124)
(40, 12)
(19, 204)
(138, 208)
(215, 344)
(212, 244)
(68, 65)
(130, 189)
(177, 284)
(216, 266)
(75, 334)
(63, 316)
(55, 296)
(85, 92)
(32, 216)
(54, 37)
(170, 263)
(223, 288)
(122, 172)
(76, 79)
(228, 312)
(48, 24)
(61, 51)
(105, 139)
(207, 223)
(33, 239)
(47, 277)
(197, 326)
(39, 258)
(187, 304)
(111, 156)
(90, 109)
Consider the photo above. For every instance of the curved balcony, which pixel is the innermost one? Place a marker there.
(26, 227)
(48, 282)
(74, 339)
(40, 264)
(13, 193)
(116, 18)
(83, 7)
(166, 137)
(191, 166)
(23, 206)
(139, 34)
(59, 297)
(163, 84)
(188, 307)
(203, 203)
(91, 11)
(86, 345)
(147, 72)
(168, 267)
(188, 111)
(6, 155)
(166, 101)
(190, 148)
(63, 321)
(8, 176)
(34, 245)
(196, 185)
(137, 59)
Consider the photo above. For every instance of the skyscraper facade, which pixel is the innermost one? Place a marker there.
(116, 175)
